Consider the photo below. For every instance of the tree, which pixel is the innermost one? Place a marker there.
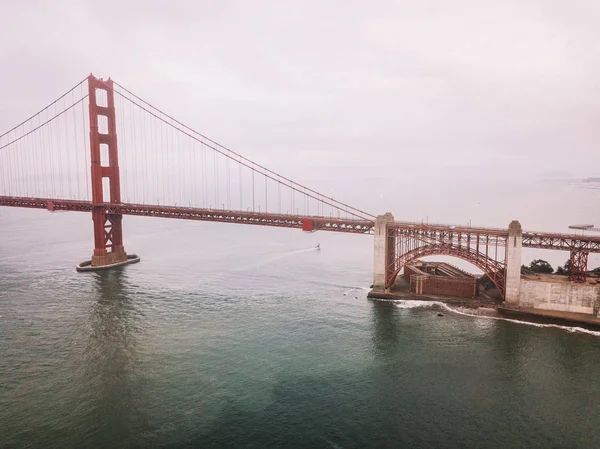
(541, 266)
(525, 269)
(565, 269)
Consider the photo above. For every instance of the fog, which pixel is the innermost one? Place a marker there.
(447, 111)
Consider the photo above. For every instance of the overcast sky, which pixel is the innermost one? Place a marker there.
(463, 87)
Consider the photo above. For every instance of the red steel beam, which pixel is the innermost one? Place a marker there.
(461, 234)
(189, 213)
(424, 232)
(563, 242)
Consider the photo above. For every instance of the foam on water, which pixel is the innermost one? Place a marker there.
(415, 304)
(363, 290)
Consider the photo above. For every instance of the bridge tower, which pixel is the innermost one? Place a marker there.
(108, 230)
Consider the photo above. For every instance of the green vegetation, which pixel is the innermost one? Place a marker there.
(564, 270)
(541, 266)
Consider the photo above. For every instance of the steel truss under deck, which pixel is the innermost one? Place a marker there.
(479, 246)
(306, 223)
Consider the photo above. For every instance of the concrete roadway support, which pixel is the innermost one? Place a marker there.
(381, 251)
(514, 245)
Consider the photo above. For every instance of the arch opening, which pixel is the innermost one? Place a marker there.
(495, 270)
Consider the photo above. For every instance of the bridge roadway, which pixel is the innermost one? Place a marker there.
(306, 223)
(441, 233)
(465, 235)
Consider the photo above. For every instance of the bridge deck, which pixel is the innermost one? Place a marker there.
(317, 223)
(542, 240)
(531, 239)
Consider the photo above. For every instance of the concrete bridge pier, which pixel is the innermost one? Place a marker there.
(383, 251)
(514, 256)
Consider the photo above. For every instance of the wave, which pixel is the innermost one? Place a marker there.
(415, 304)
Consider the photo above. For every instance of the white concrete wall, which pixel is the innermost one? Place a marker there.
(560, 296)
(379, 250)
(514, 245)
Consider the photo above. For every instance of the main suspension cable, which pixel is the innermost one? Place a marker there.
(43, 124)
(339, 203)
(42, 110)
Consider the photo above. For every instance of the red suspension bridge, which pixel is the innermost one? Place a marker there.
(67, 157)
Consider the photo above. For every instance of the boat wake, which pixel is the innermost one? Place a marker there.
(357, 290)
(415, 304)
(280, 256)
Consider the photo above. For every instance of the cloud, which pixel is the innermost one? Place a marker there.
(494, 84)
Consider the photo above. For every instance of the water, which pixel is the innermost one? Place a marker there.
(233, 336)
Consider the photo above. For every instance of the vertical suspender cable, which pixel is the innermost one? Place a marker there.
(228, 183)
(156, 150)
(49, 150)
(68, 158)
(2, 173)
(161, 148)
(134, 165)
(60, 160)
(215, 180)
(85, 140)
(43, 161)
(144, 151)
(192, 162)
(205, 168)
(18, 164)
(76, 147)
(217, 196)
(32, 164)
(176, 177)
(23, 153)
(192, 167)
(21, 159)
(168, 167)
(203, 174)
(33, 167)
(123, 152)
(17, 160)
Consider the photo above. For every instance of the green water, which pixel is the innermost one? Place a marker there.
(230, 336)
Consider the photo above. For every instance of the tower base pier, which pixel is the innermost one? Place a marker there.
(120, 261)
(109, 259)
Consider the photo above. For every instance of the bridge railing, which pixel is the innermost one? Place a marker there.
(494, 231)
(447, 226)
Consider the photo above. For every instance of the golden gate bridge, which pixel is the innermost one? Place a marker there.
(100, 148)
